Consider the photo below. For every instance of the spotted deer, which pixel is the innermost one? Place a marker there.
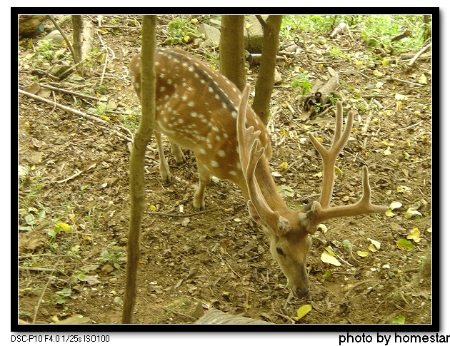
(199, 109)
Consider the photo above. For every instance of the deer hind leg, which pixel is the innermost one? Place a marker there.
(164, 170)
(176, 151)
(199, 196)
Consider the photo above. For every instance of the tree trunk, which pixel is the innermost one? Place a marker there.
(266, 75)
(231, 49)
(77, 27)
(137, 182)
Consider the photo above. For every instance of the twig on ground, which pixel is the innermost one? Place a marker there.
(69, 92)
(357, 285)
(36, 309)
(38, 269)
(406, 81)
(76, 112)
(366, 125)
(75, 175)
(419, 53)
(54, 100)
(108, 51)
(291, 320)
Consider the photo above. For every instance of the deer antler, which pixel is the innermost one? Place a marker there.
(250, 152)
(321, 210)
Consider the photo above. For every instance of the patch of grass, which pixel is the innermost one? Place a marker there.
(45, 50)
(131, 120)
(302, 81)
(30, 187)
(213, 58)
(292, 25)
(335, 52)
(377, 31)
(114, 255)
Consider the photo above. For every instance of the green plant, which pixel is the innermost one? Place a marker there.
(181, 30)
(114, 256)
(61, 296)
(59, 227)
(131, 120)
(335, 52)
(333, 98)
(32, 218)
(212, 57)
(302, 81)
(45, 50)
(292, 25)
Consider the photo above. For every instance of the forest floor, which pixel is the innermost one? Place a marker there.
(74, 198)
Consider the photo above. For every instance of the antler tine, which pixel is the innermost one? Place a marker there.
(363, 206)
(250, 152)
(365, 200)
(330, 155)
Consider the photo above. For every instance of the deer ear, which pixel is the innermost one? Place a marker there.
(283, 225)
(308, 219)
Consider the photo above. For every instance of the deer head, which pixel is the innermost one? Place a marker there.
(289, 230)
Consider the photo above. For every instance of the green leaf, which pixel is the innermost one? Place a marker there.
(65, 292)
(30, 219)
(404, 244)
(347, 245)
(60, 300)
(287, 191)
(399, 319)
(81, 276)
(302, 311)
(52, 233)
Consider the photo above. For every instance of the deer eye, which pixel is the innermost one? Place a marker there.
(280, 251)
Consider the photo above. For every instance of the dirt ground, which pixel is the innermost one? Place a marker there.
(74, 184)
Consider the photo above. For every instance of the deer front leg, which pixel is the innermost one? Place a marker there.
(199, 196)
(164, 171)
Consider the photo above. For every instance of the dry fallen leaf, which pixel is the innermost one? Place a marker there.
(302, 311)
(375, 243)
(412, 213)
(75, 319)
(389, 213)
(395, 205)
(414, 235)
(326, 257)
